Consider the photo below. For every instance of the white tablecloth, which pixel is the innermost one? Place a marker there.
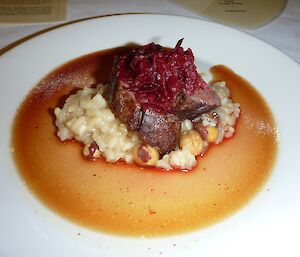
(283, 32)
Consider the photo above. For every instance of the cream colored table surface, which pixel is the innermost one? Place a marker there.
(283, 32)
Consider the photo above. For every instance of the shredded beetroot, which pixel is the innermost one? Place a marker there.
(157, 75)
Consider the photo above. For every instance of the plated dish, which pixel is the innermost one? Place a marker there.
(209, 59)
(192, 177)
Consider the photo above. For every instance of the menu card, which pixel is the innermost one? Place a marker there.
(32, 11)
(248, 14)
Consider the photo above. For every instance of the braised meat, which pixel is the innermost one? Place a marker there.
(153, 88)
(202, 101)
(158, 130)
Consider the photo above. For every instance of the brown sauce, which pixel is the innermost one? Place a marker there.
(126, 199)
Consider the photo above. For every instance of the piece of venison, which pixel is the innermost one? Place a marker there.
(202, 101)
(161, 131)
(158, 130)
(124, 105)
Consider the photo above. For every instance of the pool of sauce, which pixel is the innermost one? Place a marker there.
(127, 199)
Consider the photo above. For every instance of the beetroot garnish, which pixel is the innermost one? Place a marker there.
(157, 75)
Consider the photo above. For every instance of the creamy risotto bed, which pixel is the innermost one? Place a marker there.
(87, 118)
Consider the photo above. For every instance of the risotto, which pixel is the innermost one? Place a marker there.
(87, 118)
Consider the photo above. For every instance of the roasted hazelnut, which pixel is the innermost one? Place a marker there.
(145, 155)
(91, 151)
(192, 141)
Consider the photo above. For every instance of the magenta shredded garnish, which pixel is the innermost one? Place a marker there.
(157, 75)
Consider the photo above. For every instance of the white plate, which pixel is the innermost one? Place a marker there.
(268, 226)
